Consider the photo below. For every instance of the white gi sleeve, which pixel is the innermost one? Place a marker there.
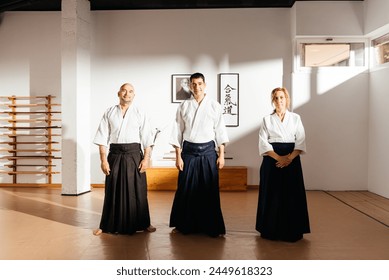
(145, 132)
(300, 137)
(264, 145)
(221, 136)
(176, 137)
(102, 134)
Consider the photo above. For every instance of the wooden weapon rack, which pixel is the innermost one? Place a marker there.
(30, 127)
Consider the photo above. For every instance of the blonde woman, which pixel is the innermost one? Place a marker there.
(282, 207)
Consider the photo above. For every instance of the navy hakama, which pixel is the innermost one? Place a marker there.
(125, 209)
(282, 206)
(196, 206)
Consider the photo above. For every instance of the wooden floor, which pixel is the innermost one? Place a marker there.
(41, 224)
(370, 204)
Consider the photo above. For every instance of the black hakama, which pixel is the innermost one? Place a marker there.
(282, 212)
(125, 209)
(196, 206)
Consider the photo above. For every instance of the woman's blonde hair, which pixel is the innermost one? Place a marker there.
(287, 97)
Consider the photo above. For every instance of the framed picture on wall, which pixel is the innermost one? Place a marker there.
(180, 87)
(229, 97)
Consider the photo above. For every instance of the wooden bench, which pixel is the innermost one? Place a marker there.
(231, 178)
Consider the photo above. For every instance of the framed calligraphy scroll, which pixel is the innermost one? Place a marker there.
(229, 98)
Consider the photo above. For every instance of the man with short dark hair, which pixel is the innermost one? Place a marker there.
(199, 128)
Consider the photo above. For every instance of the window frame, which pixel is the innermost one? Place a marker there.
(330, 40)
(373, 65)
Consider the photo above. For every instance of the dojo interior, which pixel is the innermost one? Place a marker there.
(78, 56)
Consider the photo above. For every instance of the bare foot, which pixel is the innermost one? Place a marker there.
(97, 232)
(150, 229)
(174, 230)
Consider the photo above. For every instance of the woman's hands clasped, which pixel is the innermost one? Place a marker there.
(283, 161)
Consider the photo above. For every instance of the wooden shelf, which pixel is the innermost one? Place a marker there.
(31, 143)
(29, 127)
(29, 165)
(38, 118)
(31, 120)
(29, 113)
(28, 172)
(27, 185)
(14, 97)
(29, 150)
(35, 135)
(30, 105)
(29, 157)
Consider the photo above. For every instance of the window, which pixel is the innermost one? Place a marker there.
(381, 49)
(330, 53)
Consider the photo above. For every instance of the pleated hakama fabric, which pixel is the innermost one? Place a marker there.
(196, 206)
(282, 212)
(125, 208)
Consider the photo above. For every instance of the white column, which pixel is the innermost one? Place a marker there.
(75, 94)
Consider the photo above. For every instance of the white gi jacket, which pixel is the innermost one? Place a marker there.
(273, 130)
(199, 123)
(132, 128)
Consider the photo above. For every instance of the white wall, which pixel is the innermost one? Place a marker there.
(324, 18)
(377, 23)
(376, 14)
(379, 133)
(333, 104)
(30, 64)
(30, 53)
(334, 112)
